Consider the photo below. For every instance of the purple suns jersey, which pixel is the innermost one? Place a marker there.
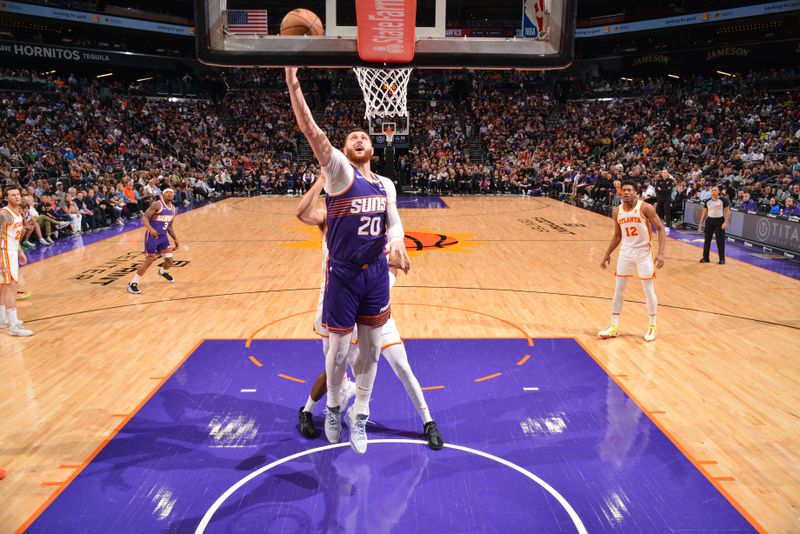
(161, 220)
(357, 221)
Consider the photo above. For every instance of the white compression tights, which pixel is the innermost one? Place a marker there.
(619, 292)
(649, 297)
(366, 366)
(336, 366)
(398, 359)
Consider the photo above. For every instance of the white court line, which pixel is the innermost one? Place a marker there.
(248, 391)
(530, 389)
(576, 520)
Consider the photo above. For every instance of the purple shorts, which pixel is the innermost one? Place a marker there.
(155, 245)
(356, 294)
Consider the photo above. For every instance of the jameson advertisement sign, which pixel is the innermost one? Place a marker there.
(51, 53)
(731, 51)
(651, 58)
(781, 51)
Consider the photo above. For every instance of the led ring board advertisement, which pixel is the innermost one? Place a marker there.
(774, 232)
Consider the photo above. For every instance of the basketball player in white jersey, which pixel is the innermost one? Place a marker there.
(392, 346)
(632, 220)
(11, 257)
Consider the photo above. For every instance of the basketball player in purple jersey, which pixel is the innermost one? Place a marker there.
(361, 214)
(158, 223)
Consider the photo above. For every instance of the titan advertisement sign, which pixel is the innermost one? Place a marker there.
(767, 230)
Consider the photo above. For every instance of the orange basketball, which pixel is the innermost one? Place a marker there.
(301, 22)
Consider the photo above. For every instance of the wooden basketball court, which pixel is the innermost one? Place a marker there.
(721, 380)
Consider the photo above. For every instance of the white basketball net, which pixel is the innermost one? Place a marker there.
(385, 94)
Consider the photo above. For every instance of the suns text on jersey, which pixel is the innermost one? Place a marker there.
(374, 204)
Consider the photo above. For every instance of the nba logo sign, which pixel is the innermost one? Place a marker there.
(532, 18)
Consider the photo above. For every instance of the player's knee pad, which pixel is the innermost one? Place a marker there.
(375, 353)
(352, 355)
(168, 256)
(340, 354)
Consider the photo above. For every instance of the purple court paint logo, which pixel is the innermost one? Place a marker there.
(598, 465)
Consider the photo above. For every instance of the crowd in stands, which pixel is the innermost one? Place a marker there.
(187, 85)
(92, 154)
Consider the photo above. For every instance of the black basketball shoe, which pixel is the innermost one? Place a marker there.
(435, 440)
(167, 276)
(306, 424)
(134, 288)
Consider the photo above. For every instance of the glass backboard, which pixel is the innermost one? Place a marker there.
(501, 34)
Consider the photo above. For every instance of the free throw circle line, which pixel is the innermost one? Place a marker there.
(576, 520)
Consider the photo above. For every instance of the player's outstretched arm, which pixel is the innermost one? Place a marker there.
(652, 217)
(615, 241)
(305, 120)
(307, 210)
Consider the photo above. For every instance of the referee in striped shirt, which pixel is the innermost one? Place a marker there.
(716, 212)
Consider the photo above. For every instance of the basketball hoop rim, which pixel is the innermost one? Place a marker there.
(385, 93)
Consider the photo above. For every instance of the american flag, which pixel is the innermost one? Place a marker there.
(247, 21)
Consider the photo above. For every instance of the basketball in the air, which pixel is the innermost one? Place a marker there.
(301, 22)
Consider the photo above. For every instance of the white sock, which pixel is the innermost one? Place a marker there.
(2, 313)
(617, 301)
(161, 270)
(366, 366)
(136, 279)
(398, 359)
(12, 316)
(336, 367)
(345, 384)
(364, 382)
(650, 299)
(309, 407)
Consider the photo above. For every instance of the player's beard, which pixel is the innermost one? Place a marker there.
(359, 160)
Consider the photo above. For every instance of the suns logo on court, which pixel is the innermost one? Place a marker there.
(419, 241)
(422, 241)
